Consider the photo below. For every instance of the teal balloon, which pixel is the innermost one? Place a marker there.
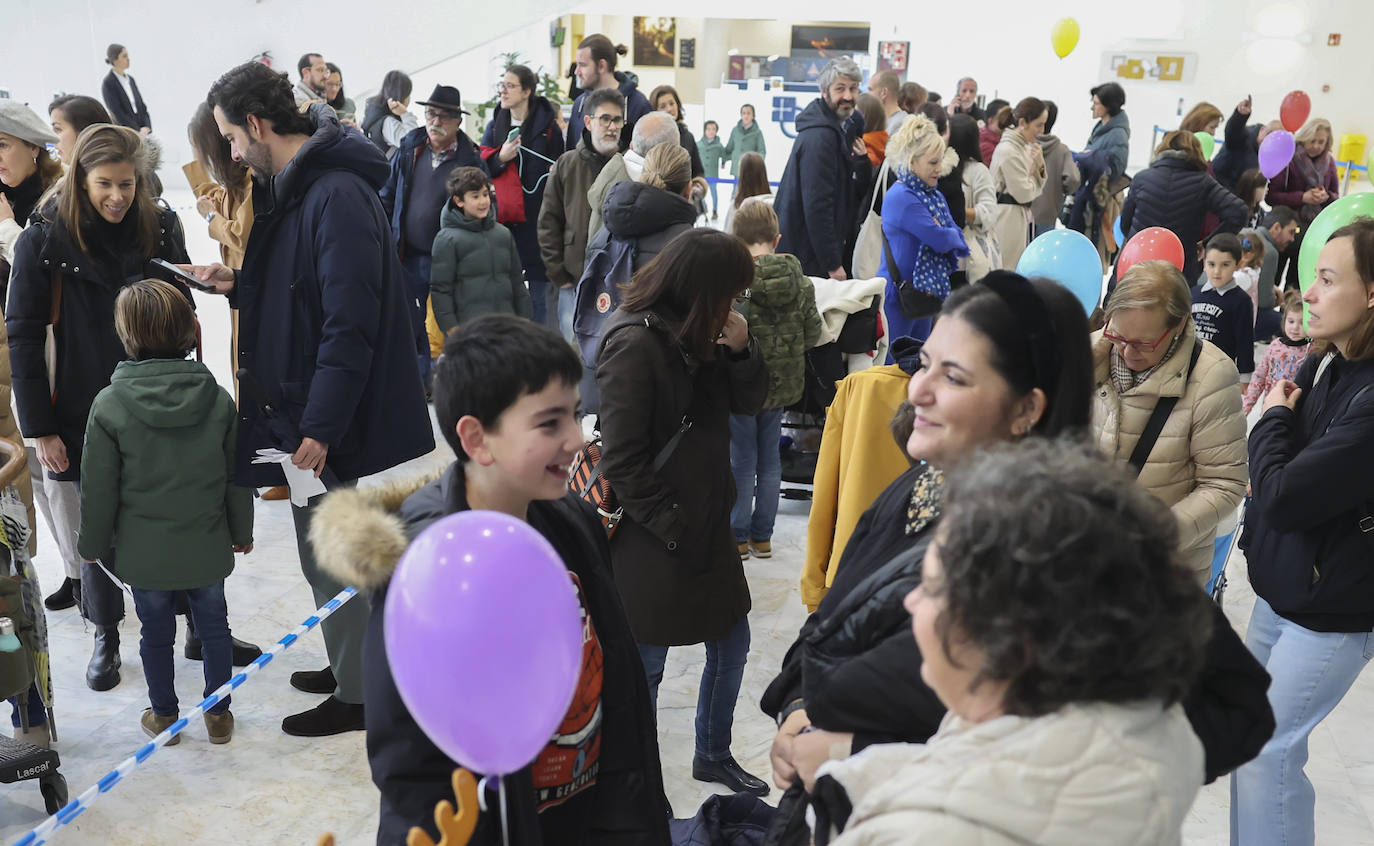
(1117, 233)
(1069, 258)
(1208, 142)
(1347, 209)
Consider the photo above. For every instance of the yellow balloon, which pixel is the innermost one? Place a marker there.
(1064, 36)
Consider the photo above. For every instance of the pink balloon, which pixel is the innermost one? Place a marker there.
(484, 636)
(1275, 152)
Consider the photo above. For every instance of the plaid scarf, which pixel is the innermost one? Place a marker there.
(1125, 378)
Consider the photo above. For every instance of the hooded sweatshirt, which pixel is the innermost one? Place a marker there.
(782, 315)
(636, 107)
(476, 270)
(1061, 178)
(157, 477)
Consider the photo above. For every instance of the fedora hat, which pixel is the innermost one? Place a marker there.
(446, 97)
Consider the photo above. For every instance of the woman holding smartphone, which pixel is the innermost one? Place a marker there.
(524, 134)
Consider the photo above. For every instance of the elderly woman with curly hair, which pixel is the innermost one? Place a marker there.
(1062, 631)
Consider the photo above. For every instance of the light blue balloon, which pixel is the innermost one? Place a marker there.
(1117, 233)
(1069, 258)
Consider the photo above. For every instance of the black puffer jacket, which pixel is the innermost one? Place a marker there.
(856, 666)
(1173, 192)
(86, 344)
(649, 216)
(1312, 471)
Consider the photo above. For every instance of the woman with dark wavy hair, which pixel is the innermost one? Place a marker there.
(1061, 629)
(1007, 360)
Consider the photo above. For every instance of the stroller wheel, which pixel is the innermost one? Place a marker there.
(54, 790)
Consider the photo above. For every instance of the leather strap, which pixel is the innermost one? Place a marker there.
(1163, 409)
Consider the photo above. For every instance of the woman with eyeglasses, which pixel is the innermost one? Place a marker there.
(1148, 362)
(532, 152)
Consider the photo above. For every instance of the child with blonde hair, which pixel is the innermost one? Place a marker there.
(157, 486)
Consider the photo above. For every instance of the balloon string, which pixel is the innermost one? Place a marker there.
(505, 828)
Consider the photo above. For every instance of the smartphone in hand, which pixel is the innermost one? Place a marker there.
(513, 134)
(182, 275)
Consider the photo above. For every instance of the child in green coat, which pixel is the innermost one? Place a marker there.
(476, 266)
(712, 155)
(780, 305)
(157, 485)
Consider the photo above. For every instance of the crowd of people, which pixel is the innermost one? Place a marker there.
(1014, 517)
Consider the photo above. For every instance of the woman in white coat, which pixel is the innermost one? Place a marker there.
(1061, 629)
(1018, 175)
(980, 199)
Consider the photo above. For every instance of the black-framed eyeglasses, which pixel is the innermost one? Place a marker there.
(442, 114)
(609, 121)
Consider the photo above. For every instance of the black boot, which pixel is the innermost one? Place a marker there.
(66, 596)
(730, 774)
(244, 653)
(103, 671)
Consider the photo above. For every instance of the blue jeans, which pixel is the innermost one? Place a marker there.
(157, 612)
(539, 304)
(1272, 800)
(712, 182)
(720, 683)
(756, 460)
(567, 306)
(38, 715)
(1041, 229)
(417, 267)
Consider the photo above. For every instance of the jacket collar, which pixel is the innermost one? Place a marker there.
(1169, 378)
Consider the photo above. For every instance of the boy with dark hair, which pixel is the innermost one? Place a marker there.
(1222, 311)
(476, 265)
(780, 305)
(505, 395)
(712, 157)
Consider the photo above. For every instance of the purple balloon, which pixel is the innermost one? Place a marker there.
(484, 635)
(1276, 152)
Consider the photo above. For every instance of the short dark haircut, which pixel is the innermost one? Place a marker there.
(82, 111)
(1068, 406)
(601, 97)
(306, 61)
(697, 277)
(1064, 573)
(1052, 116)
(1225, 242)
(490, 362)
(524, 76)
(963, 137)
(994, 106)
(710, 123)
(253, 88)
(1113, 97)
(1282, 215)
(934, 114)
(933, 97)
(465, 179)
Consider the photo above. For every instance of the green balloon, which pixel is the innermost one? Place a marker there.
(1345, 210)
(1209, 144)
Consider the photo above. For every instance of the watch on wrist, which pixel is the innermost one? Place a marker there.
(209, 216)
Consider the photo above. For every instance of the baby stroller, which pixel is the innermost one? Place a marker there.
(26, 669)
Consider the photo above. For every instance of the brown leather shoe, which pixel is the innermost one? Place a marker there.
(155, 724)
(276, 494)
(220, 727)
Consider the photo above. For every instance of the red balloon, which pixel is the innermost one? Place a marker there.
(1153, 244)
(1294, 110)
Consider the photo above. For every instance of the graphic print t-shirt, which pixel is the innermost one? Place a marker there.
(569, 763)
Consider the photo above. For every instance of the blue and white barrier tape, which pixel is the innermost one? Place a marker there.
(40, 834)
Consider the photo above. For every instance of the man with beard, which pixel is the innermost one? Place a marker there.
(324, 331)
(415, 194)
(815, 201)
(314, 71)
(566, 210)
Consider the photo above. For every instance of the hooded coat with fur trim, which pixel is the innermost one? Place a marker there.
(359, 536)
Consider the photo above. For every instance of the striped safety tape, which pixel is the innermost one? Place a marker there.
(73, 809)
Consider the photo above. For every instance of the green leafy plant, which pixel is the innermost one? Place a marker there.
(546, 86)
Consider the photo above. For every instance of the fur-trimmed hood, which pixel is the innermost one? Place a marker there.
(358, 534)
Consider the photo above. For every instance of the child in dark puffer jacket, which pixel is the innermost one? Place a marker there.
(780, 306)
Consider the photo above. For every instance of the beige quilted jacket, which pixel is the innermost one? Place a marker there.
(1198, 466)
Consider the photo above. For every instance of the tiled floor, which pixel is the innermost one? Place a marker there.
(268, 788)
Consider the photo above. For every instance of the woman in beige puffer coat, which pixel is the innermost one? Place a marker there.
(1198, 466)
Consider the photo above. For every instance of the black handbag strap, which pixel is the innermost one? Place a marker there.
(891, 260)
(1163, 409)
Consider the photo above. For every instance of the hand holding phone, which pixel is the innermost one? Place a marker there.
(209, 278)
(513, 134)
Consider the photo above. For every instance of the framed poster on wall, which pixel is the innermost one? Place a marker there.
(654, 41)
(892, 55)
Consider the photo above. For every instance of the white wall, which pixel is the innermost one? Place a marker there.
(178, 48)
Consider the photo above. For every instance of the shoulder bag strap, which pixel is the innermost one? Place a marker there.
(1163, 409)
(879, 185)
(892, 267)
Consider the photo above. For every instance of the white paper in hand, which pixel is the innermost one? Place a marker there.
(303, 483)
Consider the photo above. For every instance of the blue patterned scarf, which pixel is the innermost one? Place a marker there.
(931, 271)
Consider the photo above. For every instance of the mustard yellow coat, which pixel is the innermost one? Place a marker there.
(858, 460)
